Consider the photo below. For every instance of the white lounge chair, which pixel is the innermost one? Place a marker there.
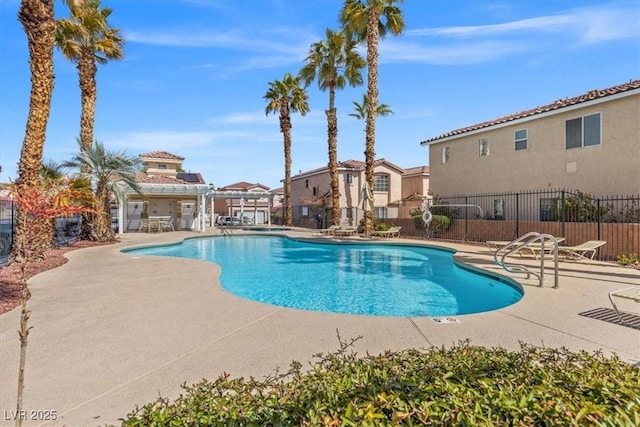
(586, 250)
(325, 231)
(391, 232)
(349, 231)
(632, 294)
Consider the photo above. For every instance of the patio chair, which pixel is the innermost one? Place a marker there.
(167, 224)
(325, 231)
(391, 232)
(632, 294)
(144, 225)
(586, 250)
(348, 231)
(525, 249)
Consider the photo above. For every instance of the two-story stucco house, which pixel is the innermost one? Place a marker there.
(311, 191)
(589, 143)
(415, 188)
(167, 192)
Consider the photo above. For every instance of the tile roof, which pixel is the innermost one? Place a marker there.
(559, 104)
(160, 179)
(161, 155)
(239, 185)
(416, 170)
(349, 164)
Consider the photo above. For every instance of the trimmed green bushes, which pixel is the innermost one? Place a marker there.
(464, 385)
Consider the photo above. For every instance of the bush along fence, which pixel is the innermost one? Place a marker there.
(67, 230)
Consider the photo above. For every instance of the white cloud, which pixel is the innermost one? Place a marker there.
(457, 45)
(168, 140)
(451, 54)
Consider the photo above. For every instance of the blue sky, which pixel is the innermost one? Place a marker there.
(195, 73)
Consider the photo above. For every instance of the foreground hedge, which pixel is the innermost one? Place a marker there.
(464, 385)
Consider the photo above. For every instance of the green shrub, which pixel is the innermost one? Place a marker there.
(381, 226)
(439, 224)
(629, 260)
(463, 385)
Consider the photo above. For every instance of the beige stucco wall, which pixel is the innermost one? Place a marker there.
(349, 192)
(613, 167)
(152, 168)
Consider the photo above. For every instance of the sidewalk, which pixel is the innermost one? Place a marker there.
(112, 330)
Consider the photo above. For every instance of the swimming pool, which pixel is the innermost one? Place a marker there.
(368, 279)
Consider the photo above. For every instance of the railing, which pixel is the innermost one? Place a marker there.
(535, 242)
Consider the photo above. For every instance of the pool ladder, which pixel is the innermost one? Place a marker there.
(226, 231)
(535, 242)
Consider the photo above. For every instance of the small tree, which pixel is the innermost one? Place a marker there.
(37, 203)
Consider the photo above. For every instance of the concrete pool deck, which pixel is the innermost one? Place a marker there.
(113, 330)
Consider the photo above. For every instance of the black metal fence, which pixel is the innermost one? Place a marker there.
(7, 221)
(67, 230)
(576, 216)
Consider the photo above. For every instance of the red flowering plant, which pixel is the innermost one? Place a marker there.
(38, 205)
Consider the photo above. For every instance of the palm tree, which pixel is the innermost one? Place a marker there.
(370, 20)
(38, 20)
(334, 62)
(87, 39)
(286, 96)
(361, 109)
(111, 173)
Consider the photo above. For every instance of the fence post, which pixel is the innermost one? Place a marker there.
(466, 219)
(562, 217)
(598, 218)
(517, 215)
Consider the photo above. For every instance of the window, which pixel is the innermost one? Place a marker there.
(550, 209)
(483, 147)
(444, 155)
(349, 213)
(381, 183)
(521, 139)
(379, 213)
(583, 131)
(349, 178)
(162, 166)
(306, 183)
(498, 209)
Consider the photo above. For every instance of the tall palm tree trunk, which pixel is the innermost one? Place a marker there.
(372, 93)
(38, 20)
(87, 70)
(285, 128)
(332, 139)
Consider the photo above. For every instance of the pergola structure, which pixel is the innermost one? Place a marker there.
(242, 195)
(167, 190)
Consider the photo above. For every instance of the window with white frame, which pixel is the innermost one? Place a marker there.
(349, 178)
(520, 138)
(381, 183)
(483, 147)
(444, 155)
(379, 213)
(583, 131)
(162, 166)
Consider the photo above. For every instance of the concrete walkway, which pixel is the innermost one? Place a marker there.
(112, 330)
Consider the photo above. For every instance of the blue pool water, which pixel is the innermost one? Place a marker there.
(369, 279)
